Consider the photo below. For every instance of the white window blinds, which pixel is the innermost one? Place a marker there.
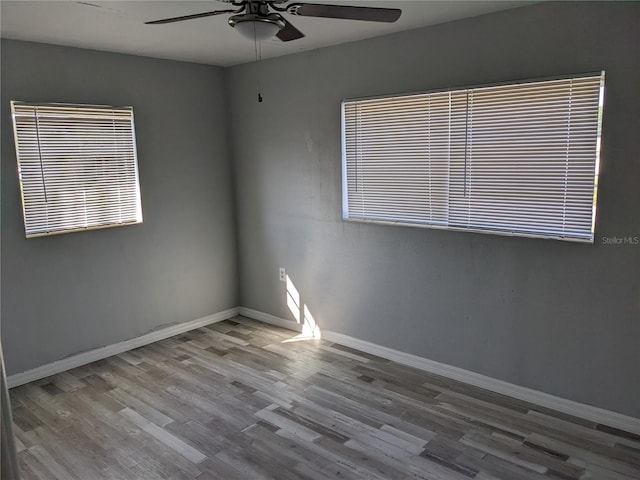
(517, 159)
(77, 166)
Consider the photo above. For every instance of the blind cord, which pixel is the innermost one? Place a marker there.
(44, 185)
(466, 144)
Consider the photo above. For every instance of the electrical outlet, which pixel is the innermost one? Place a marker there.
(283, 274)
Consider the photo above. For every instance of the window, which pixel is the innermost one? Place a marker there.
(519, 159)
(77, 167)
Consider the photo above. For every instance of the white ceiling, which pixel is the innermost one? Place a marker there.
(118, 26)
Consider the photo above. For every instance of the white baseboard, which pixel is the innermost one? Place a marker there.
(109, 350)
(570, 407)
(270, 319)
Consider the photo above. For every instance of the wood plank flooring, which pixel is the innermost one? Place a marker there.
(237, 400)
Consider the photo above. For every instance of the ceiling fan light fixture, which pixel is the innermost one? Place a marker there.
(257, 27)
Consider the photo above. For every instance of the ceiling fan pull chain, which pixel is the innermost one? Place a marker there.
(258, 58)
(259, 71)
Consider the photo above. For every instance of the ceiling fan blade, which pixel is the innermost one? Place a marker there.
(371, 14)
(289, 32)
(190, 17)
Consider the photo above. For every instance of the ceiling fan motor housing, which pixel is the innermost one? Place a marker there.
(257, 26)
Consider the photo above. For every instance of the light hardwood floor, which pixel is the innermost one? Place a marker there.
(237, 400)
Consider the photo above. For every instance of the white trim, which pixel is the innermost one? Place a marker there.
(570, 407)
(270, 319)
(109, 350)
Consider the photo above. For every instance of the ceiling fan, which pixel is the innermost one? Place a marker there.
(262, 19)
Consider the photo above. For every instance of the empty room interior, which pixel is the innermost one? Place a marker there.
(363, 240)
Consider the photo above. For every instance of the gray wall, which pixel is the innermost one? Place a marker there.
(68, 293)
(559, 317)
